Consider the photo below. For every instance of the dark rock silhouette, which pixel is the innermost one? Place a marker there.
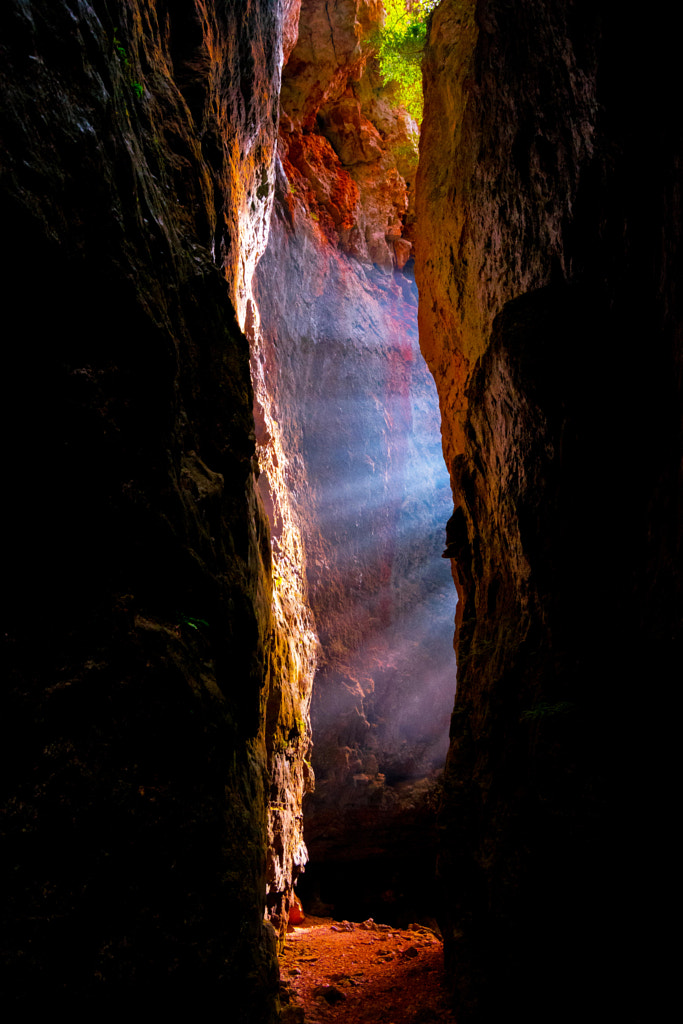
(136, 582)
(550, 314)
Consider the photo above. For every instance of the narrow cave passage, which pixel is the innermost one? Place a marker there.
(371, 499)
(354, 481)
(158, 653)
(355, 414)
(384, 603)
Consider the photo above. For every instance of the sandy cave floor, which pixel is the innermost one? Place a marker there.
(365, 973)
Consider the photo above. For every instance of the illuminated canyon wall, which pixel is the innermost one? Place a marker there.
(548, 266)
(356, 423)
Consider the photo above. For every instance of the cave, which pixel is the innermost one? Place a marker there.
(283, 396)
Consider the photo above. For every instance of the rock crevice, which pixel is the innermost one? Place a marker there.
(357, 445)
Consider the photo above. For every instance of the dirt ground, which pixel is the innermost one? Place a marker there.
(365, 973)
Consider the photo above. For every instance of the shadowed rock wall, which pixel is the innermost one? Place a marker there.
(550, 314)
(139, 651)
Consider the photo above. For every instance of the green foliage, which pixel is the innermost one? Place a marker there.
(120, 49)
(400, 46)
(192, 622)
(122, 54)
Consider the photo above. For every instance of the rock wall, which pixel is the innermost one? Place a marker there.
(147, 679)
(295, 647)
(347, 426)
(549, 208)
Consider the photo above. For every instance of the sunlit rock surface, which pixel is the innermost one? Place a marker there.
(351, 430)
(350, 154)
(294, 648)
(550, 219)
(144, 675)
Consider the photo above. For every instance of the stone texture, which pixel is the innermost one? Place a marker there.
(290, 29)
(140, 651)
(550, 313)
(294, 654)
(358, 421)
(157, 661)
(328, 54)
(348, 435)
(349, 151)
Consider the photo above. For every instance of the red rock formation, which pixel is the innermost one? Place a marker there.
(550, 316)
(344, 143)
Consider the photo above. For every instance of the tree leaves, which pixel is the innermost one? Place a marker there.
(401, 44)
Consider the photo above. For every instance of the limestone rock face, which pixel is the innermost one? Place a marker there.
(239, 118)
(348, 432)
(346, 148)
(550, 315)
(290, 28)
(328, 54)
(140, 708)
(293, 650)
